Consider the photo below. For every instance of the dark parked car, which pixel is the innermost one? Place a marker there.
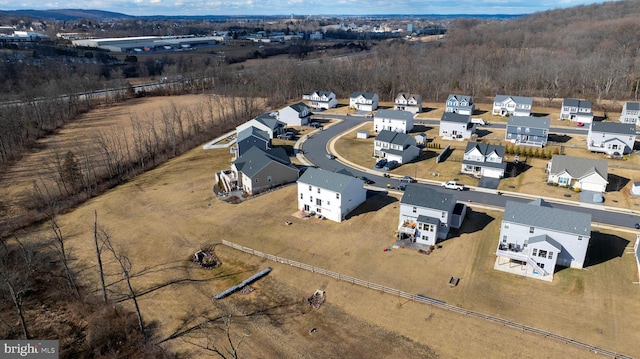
(407, 179)
(314, 125)
(366, 180)
(402, 187)
(381, 163)
(390, 165)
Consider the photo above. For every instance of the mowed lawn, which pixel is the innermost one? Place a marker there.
(162, 217)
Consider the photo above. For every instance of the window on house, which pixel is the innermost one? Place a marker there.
(425, 238)
(542, 254)
(531, 229)
(328, 203)
(309, 188)
(301, 196)
(337, 195)
(268, 178)
(318, 202)
(534, 252)
(550, 255)
(318, 210)
(444, 214)
(318, 189)
(579, 238)
(256, 180)
(541, 265)
(414, 210)
(310, 198)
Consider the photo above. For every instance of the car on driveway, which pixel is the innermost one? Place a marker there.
(390, 165)
(381, 163)
(407, 179)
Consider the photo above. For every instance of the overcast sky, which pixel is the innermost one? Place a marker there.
(298, 7)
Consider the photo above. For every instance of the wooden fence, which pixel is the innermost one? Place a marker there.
(427, 300)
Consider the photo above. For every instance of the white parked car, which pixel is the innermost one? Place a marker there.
(453, 185)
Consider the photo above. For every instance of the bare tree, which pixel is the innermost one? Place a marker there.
(225, 345)
(58, 245)
(99, 253)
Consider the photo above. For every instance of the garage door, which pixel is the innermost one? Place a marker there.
(596, 187)
(493, 173)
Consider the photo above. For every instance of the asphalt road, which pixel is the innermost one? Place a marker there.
(315, 150)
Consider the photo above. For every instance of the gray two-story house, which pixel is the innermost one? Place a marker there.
(251, 137)
(529, 130)
(576, 110)
(456, 126)
(460, 104)
(484, 160)
(426, 215)
(395, 146)
(611, 138)
(535, 238)
(258, 170)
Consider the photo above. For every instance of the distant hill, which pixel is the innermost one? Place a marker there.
(67, 14)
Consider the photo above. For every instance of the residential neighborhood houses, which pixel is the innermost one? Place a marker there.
(321, 99)
(611, 138)
(329, 194)
(527, 130)
(393, 120)
(504, 105)
(535, 237)
(580, 173)
(426, 215)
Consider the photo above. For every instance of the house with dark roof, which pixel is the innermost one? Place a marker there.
(630, 113)
(460, 104)
(576, 172)
(576, 110)
(363, 101)
(427, 215)
(456, 126)
(321, 99)
(393, 120)
(611, 138)
(408, 102)
(297, 114)
(329, 194)
(527, 130)
(258, 170)
(251, 137)
(504, 105)
(266, 122)
(395, 146)
(484, 160)
(535, 238)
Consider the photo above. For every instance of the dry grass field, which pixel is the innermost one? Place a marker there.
(163, 216)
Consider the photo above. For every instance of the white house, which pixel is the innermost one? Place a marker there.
(577, 172)
(504, 105)
(460, 104)
(364, 101)
(456, 126)
(395, 146)
(408, 102)
(535, 238)
(630, 113)
(329, 194)
(611, 138)
(576, 110)
(426, 215)
(257, 170)
(321, 99)
(484, 160)
(295, 115)
(265, 122)
(393, 120)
